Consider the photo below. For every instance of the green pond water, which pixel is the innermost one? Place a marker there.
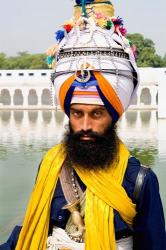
(26, 135)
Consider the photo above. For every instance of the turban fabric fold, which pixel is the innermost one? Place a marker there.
(104, 91)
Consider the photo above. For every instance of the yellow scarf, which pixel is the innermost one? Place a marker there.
(104, 193)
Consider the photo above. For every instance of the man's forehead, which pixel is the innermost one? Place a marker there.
(87, 107)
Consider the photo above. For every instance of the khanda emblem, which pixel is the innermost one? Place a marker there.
(83, 75)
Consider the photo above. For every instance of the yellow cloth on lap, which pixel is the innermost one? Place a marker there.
(104, 193)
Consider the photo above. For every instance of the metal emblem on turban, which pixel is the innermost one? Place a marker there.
(83, 75)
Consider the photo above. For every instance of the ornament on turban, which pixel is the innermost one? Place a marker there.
(93, 60)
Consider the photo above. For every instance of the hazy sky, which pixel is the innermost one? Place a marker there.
(29, 25)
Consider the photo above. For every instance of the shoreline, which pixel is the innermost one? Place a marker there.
(143, 108)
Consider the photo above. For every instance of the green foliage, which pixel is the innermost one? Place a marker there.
(2, 60)
(146, 56)
(23, 60)
(164, 60)
(146, 53)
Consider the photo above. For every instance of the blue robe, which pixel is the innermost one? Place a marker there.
(149, 225)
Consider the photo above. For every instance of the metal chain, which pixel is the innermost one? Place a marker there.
(74, 186)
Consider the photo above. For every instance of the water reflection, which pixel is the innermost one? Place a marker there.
(3, 152)
(145, 116)
(18, 116)
(146, 155)
(162, 140)
(47, 115)
(32, 116)
(5, 116)
(131, 117)
(134, 127)
(59, 117)
(139, 131)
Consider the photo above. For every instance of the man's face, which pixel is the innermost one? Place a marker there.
(86, 117)
(91, 141)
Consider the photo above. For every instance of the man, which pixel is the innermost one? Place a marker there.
(90, 193)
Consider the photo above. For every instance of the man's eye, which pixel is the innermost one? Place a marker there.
(97, 114)
(76, 113)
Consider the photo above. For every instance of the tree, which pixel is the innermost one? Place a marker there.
(146, 56)
(39, 62)
(146, 53)
(2, 60)
(26, 61)
(164, 60)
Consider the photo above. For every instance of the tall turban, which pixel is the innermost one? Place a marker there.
(93, 61)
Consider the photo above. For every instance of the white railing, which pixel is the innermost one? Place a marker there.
(13, 82)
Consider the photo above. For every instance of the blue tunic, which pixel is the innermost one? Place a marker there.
(149, 225)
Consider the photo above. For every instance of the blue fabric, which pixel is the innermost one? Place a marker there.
(79, 2)
(149, 223)
(149, 226)
(87, 1)
(12, 241)
(111, 110)
(92, 82)
(68, 100)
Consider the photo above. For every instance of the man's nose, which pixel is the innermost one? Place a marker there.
(86, 123)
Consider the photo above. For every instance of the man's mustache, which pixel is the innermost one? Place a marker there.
(88, 133)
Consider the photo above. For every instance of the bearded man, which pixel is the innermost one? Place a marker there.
(90, 193)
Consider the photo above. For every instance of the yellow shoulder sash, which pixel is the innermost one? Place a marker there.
(104, 193)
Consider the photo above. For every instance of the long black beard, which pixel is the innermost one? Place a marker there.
(94, 154)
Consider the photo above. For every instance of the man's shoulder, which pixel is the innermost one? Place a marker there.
(134, 167)
(56, 151)
(137, 176)
(132, 170)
